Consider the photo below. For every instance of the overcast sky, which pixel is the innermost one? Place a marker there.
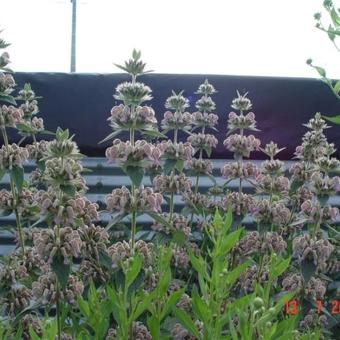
(242, 37)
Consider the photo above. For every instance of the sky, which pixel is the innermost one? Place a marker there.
(235, 37)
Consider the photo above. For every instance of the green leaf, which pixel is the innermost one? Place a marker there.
(169, 165)
(232, 276)
(68, 189)
(17, 176)
(187, 322)
(33, 334)
(179, 165)
(199, 306)
(116, 219)
(133, 270)
(62, 270)
(336, 87)
(47, 132)
(335, 17)
(7, 98)
(321, 71)
(154, 326)
(23, 127)
(227, 243)
(308, 269)
(199, 265)
(105, 259)
(333, 119)
(160, 219)
(171, 302)
(111, 135)
(83, 306)
(153, 133)
(279, 268)
(136, 174)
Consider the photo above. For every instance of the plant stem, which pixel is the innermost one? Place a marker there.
(171, 205)
(15, 197)
(133, 187)
(58, 310)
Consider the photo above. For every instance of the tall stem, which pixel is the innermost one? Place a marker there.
(133, 187)
(58, 310)
(171, 207)
(15, 195)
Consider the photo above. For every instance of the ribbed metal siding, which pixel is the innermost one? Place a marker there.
(105, 177)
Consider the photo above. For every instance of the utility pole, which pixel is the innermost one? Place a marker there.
(74, 34)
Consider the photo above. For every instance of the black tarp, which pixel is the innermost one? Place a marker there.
(82, 103)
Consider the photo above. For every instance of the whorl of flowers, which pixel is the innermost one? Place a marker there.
(278, 185)
(30, 321)
(273, 167)
(234, 170)
(252, 242)
(205, 104)
(125, 151)
(178, 223)
(242, 145)
(176, 120)
(308, 249)
(139, 332)
(123, 117)
(133, 93)
(180, 256)
(208, 120)
(181, 151)
(10, 116)
(27, 204)
(314, 212)
(240, 203)
(6, 200)
(7, 83)
(314, 143)
(29, 260)
(201, 201)
(200, 166)
(94, 240)
(53, 242)
(12, 272)
(29, 107)
(248, 278)
(268, 212)
(177, 102)
(62, 147)
(45, 289)
(122, 251)
(241, 122)
(12, 156)
(314, 288)
(37, 150)
(72, 212)
(145, 199)
(92, 271)
(172, 184)
(16, 300)
(64, 171)
(301, 171)
(203, 141)
(323, 185)
(313, 320)
(327, 165)
(241, 102)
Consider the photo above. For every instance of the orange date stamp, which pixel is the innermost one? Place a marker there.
(291, 307)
